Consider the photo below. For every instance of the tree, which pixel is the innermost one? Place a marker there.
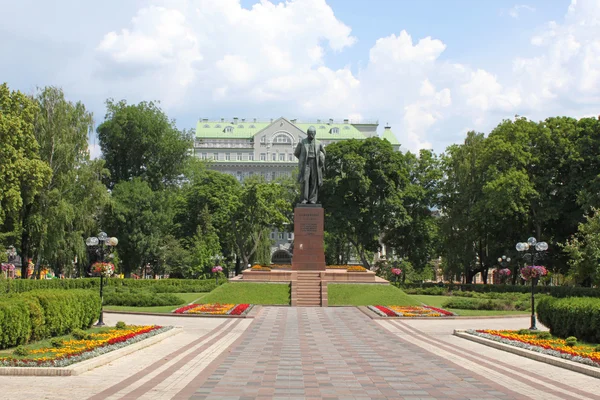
(583, 249)
(142, 219)
(260, 207)
(22, 173)
(140, 141)
(362, 193)
(67, 208)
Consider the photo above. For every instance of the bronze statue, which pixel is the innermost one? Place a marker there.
(311, 162)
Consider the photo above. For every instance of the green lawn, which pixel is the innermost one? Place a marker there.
(251, 293)
(186, 297)
(348, 294)
(438, 301)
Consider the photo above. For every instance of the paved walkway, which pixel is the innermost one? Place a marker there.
(303, 353)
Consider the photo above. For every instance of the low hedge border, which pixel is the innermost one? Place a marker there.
(157, 286)
(554, 291)
(45, 313)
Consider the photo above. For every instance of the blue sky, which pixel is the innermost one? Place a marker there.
(432, 69)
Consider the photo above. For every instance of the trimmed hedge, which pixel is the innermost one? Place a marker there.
(577, 316)
(141, 299)
(554, 291)
(157, 286)
(45, 313)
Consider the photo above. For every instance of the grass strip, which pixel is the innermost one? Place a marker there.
(348, 294)
(250, 293)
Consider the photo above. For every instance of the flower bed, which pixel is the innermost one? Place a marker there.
(73, 351)
(582, 353)
(356, 268)
(215, 309)
(409, 311)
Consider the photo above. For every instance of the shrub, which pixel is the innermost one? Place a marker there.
(40, 314)
(142, 299)
(57, 343)
(576, 316)
(544, 335)
(524, 332)
(478, 304)
(80, 334)
(21, 351)
(121, 325)
(571, 341)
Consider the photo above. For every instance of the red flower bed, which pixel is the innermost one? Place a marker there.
(386, 311)
(239, 309)
(185, 308)
(439, 310)
(124, 338)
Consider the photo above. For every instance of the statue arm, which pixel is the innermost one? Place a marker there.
(298, 150)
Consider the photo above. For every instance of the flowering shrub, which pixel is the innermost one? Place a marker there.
(257, 267)
(217, 269)
(409, 311)
(396, 271)
(531, 272)
(356, 268)
(6, 267)
(586, 354)
(214, 309)
(76, 350)
(103, 269)
(505, 272)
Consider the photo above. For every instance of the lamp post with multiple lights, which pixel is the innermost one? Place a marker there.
(99, 244)
(534, 247)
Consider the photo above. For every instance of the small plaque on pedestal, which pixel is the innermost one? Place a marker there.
(309, 249)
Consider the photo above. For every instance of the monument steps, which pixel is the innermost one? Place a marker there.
(308, 288)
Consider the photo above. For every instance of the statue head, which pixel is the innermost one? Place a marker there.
(311, 132)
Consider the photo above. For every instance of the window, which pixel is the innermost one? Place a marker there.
(273, 235)
(263, 139)
(282, 157)
(206, 126)
(263, 157)
(239, 156)
(290, 157)
(227, 156)
(215, 156)
(228, 129)
(274, 157)
(290, 235)
(347, 127)
(282, 139)
(335, 131)
(204, 156)
(252, 126)
(273, 175)
(238, 175)
(322, 127)
(280, 236)
(241, 126)
(217, 125)
(250, 156)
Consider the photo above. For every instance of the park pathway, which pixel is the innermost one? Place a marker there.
(313, 353)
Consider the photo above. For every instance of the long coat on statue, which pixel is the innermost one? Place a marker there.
(301, 153)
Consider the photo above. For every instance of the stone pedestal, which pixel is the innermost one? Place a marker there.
(309, 250)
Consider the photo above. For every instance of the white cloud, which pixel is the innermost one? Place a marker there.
(516, 10)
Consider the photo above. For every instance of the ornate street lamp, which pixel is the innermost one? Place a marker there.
(534, 247)
(503, 262)
(99, 245)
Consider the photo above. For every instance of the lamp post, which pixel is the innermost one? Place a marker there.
(503, 262)
(99, 243)
(535, 248)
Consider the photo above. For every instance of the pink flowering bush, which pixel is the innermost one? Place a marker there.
(217, 269)
(532, 272)
(396, 271)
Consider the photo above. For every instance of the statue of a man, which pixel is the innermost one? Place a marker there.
(311, 162)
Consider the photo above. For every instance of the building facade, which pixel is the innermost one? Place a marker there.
(243, 148)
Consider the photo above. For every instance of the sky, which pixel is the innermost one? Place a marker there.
(432, 70)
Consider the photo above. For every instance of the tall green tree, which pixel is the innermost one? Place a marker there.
(140, 141)
(68, 208)
(22, 173)
(362, 193)
(583, 249)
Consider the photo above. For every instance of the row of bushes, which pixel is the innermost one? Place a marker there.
(133, 297)
(157, 286)
(45, 313)
(461, 303)
(579, 317)
(554, 291)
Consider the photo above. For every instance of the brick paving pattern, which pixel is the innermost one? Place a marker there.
(333, 353)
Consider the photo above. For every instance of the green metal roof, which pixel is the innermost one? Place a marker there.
(324, 131)
(390, 137)
(216, 129)
(246, 130)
